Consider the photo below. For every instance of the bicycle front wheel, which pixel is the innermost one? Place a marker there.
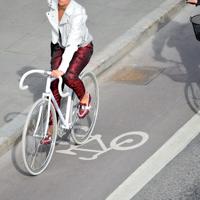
(36, 155)
(82, 128)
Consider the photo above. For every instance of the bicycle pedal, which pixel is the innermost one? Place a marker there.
(86, 107)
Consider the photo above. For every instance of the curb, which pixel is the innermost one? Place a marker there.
(150, 24)
(136, 35)
(11, 132)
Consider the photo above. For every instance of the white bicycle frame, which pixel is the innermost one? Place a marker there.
(67, 119)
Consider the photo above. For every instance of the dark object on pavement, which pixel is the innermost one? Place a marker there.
(195, 20)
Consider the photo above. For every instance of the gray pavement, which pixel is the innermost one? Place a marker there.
(158, 105)
(25, 36)
(25, 45)
(175, 50)
(179, 180)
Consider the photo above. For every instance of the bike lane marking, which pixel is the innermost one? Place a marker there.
(152, 166)
(115, 144)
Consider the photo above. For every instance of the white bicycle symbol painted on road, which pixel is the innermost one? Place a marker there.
(121, 143)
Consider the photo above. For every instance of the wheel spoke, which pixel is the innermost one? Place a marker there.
(35, 154)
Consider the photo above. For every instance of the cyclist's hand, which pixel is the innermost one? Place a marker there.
(56, 73)
(192, 1)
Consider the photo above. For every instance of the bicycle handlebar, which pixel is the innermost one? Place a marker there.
(62, 94)
(43, 72)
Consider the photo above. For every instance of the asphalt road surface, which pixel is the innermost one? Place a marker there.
(148, 101)
(25, 40)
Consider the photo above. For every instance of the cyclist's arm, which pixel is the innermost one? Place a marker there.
(74, 40)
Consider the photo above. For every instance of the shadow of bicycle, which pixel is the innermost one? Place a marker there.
(185, 66)
(36, 83)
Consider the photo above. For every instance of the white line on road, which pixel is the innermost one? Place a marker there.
(139, 178)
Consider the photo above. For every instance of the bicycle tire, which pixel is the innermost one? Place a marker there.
(83, 128)
(192, 94)
(36, 156)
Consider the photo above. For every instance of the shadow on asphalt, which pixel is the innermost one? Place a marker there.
(186, 71)
(10, 116)
(36, 83)
(17, 158)
(16, 153)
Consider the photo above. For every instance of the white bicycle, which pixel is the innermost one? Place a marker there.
(36, 155)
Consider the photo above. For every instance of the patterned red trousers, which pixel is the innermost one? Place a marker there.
(71, 77)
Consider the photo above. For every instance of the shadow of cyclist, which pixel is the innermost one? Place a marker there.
(181, 43)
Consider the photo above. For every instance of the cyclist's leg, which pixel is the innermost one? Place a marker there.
(78, 63)
(56, 58)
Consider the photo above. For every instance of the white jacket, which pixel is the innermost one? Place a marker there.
(73, 29)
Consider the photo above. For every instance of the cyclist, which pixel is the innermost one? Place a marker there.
(71, 50)
(196, 2)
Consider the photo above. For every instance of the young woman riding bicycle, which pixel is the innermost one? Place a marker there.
(71, 50)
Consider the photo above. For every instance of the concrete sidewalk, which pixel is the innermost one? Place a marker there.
(25, 39)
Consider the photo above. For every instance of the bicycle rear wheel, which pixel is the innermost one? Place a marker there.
(192, 94)
(82, 128)
(37, 156)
